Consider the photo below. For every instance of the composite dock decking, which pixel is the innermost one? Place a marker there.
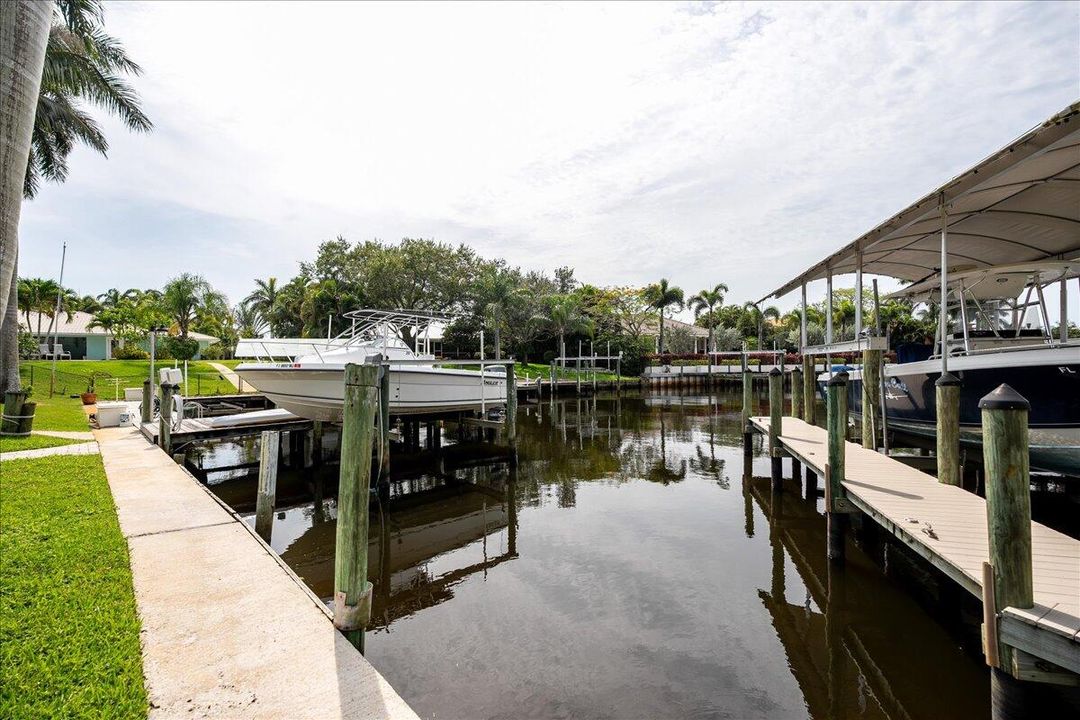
(947, 526)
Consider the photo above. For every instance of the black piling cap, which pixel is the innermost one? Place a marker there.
(1004, 398)
(775, 371)
(839, 378)
(947, 380)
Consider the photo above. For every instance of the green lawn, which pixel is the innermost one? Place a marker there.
(534, 369)
(58, 412)
(33, 442)
(112, 376)
(69, 633)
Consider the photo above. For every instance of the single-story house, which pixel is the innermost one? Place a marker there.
(698, 334)
(76, 336)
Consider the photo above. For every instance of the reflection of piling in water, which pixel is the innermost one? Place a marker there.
(776, 412)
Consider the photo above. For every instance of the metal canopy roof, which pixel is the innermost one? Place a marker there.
(1021, 204)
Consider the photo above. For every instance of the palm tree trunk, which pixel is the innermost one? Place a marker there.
(498, 344)
(9, 341)
(661, 338)
(24, 32)
(562, 348)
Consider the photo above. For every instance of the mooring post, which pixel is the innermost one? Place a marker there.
(147, 401)
(871, 398)
(352, 591)
(1008, 512)
(947, 389)
(776, 415)
(511, 411)
(577, 367)
(810, 486)
(809, 389)
(266, 496)
(747, 400)
(165, 418)
(384, 420)
(836, 503)
(317, 442)
(796, 392)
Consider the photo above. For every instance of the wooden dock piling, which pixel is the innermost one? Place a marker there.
(384, 421)
(796, 392)
(317, 442)
(836, 508)
(776, 413)
(1008, 504)
(747, 401)
(269, 441)
(147, 401)
(947, 389)
(871, 398)
(511, 411)
(165, 418)
(352, 591)
(809, 389)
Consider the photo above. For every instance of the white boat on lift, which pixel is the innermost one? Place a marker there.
(312, 384)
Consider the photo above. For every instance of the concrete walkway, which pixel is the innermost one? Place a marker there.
(87, 448)
(230, 376)
(65, 434)
(227, 630)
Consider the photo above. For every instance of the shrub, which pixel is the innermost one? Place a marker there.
(181, 348)
(217, 351)
(27, 344)
(130, 352)
(549, 357)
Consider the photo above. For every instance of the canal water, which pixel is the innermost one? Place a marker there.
(630, 567)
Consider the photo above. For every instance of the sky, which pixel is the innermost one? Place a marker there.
(704, 143)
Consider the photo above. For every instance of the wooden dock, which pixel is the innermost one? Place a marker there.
(947, 526)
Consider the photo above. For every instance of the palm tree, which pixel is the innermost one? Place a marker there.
(113, 297)
(757, 316)
(24, 33)
(249, 322)
(497, 289)
(566, 315)
(37, 295)
(661, 296)
(82, 63)
(184, 297)
(707, 301)
(264, 300)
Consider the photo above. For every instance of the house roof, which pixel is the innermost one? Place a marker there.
(651, 327)
(1021, 204)
(79, 324)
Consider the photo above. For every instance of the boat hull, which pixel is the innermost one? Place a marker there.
(318, 392)
(1049, 379)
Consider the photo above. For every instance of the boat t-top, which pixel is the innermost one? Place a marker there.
(307, 377)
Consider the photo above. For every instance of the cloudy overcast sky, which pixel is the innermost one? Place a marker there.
(703, 143)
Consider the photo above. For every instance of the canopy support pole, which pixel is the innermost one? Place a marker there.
(1063, 320)
(858, 294)
(943, 312)
(802, 318)
(828, 320)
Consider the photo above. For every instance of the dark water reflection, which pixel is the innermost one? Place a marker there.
(628, 569)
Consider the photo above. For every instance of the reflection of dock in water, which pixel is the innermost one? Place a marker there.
(405, 534)
(847, 655)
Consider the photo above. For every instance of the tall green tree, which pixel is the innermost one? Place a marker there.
(706, 302)
(566, 316)
(497, 289)
(186, 297)
(24, 34)
(663, 297)
(757, 315)
(264, 301)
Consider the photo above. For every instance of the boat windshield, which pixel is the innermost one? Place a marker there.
(999, 308)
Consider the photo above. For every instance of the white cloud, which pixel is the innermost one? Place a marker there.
(734, 143)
